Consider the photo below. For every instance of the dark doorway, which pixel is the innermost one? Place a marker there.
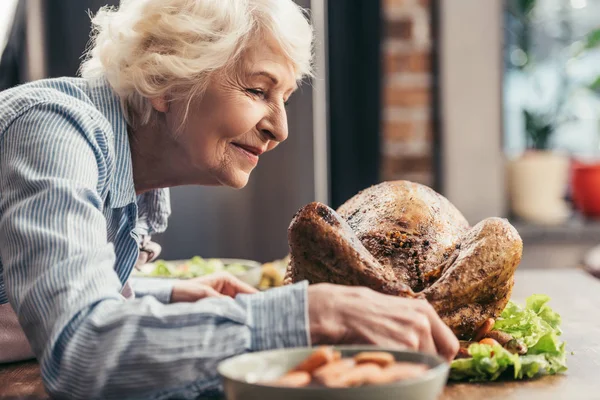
(354, 95)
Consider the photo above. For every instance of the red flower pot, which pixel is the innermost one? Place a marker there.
(585, 183)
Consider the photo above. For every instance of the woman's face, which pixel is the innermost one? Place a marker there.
(237, 119)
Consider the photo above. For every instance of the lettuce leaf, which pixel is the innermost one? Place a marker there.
(530, 323)
(538, 326)
(487, 363)
(531, 365)
(162, 269)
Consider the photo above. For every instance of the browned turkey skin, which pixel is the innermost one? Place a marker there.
(403, 238)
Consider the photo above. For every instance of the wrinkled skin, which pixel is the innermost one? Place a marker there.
(402, 238)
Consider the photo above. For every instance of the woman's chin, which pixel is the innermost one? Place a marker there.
(237, 180)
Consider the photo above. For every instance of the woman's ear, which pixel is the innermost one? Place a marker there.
(160, 104)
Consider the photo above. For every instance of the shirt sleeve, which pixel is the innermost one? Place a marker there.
(160, 289)
(60, 280)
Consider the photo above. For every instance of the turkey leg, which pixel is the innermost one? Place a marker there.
(324, 248)
(478, 284)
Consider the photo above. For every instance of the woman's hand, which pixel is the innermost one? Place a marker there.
(221, 284)
(356, 315)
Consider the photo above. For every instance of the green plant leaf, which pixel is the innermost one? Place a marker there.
(526, 6)
(595, 85)
(539, 128)
(592, 39)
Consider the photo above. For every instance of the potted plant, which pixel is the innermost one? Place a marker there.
(538, 179)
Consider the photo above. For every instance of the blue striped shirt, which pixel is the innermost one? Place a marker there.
(70, 227)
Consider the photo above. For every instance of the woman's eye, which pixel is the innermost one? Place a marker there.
(261, 94)
(256, 92)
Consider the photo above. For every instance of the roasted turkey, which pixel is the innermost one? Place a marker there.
(402, 238)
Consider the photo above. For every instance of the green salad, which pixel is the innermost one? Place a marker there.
(537, 326)
(193, 268)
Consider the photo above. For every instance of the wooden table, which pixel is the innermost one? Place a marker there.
(575, 295)
(21, 381)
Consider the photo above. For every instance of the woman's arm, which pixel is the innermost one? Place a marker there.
(60, 280)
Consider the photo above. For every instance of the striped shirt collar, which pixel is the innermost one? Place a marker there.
(122, 189)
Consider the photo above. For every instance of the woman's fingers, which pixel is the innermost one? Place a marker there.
(206, 291)
(362, 316)
(190, 291)
(423, 327)
(227, 284)
(217, 285)
(446, 343)
(238, 286)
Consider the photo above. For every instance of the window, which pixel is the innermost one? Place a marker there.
(547, 73)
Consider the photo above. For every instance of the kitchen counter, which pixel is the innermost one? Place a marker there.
(575, 295)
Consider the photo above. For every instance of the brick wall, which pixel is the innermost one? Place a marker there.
(406, 126)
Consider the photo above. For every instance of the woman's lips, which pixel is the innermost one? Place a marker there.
(251, 153)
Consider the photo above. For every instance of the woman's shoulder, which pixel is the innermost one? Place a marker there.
(64, 110)
(69, 95)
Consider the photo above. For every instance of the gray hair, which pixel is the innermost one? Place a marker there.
(148, 48)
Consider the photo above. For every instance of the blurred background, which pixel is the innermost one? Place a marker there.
(495, 104)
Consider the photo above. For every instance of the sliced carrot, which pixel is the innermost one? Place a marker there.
(381, 358)
(293, 379)
(356, 376)
(330, 373)
(484, 329)
(397, 372)
(318, 358)
(489, 341)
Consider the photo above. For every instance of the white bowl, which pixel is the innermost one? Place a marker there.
(240, 375)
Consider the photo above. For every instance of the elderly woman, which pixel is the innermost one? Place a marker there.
(173, 92)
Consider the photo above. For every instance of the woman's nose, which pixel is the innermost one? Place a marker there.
(274, 127)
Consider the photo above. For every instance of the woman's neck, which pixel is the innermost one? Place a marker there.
(157, 159)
